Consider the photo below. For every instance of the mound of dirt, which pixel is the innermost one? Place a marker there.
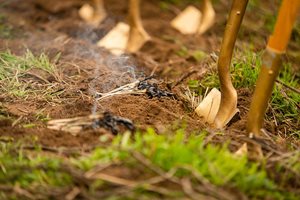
(83, 69)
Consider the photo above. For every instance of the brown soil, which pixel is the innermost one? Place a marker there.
(84, 67)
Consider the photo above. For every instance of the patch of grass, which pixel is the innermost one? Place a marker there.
(270, 21)
(186, 158)
(41, 116)
(244, 73)
(27, 61)
(214, 163)
(198, 55)
(195, 55)
(285, 103)
(29, 125)
(14, 72)
(183, 52)
(19, 169)
(253, 5)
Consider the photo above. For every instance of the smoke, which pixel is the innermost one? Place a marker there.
(123, 67)
(112, 72)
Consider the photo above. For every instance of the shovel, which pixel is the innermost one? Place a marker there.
(93, 14)
(271, 64)
(218, 108)
(193, 21)
(125, 37)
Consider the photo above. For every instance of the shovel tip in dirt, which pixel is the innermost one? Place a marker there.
(88, 14)
(209, 108)
(227, 110)
(116, 40)
(187, 22)
(123, 39)
(192, 21)
(208, 19)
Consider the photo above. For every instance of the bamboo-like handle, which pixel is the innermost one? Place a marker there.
(208, 17)
(137, 35)
(99, 5)
(284, 25)
(134, 13)
(228, 93)
(271, 64)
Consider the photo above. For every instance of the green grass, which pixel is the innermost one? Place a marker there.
(14, 70)
(244, 73)
(20, 170)
(41, 116)
(183, 156)
(215, 163)
(196, 55)
(36, 170)
(284, 102)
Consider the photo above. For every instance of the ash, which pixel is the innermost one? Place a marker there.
(152, 89)
(112, 123)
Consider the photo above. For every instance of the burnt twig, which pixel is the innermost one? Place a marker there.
(112, 122)
(107, 121)
(152, 90)
(137, 87)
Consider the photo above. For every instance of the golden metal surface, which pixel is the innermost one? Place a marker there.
(229, 94)
(271, 64)
(263, 91)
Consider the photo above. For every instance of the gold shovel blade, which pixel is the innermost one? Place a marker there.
(188, 21)
(116, 40)
(88, 14)
(209, 107)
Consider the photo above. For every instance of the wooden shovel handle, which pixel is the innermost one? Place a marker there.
(271, 64)
(284, 25)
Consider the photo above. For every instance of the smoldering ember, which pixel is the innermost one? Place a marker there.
(152, 90)
(137, 87)
(161, 99)
(107, 120)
